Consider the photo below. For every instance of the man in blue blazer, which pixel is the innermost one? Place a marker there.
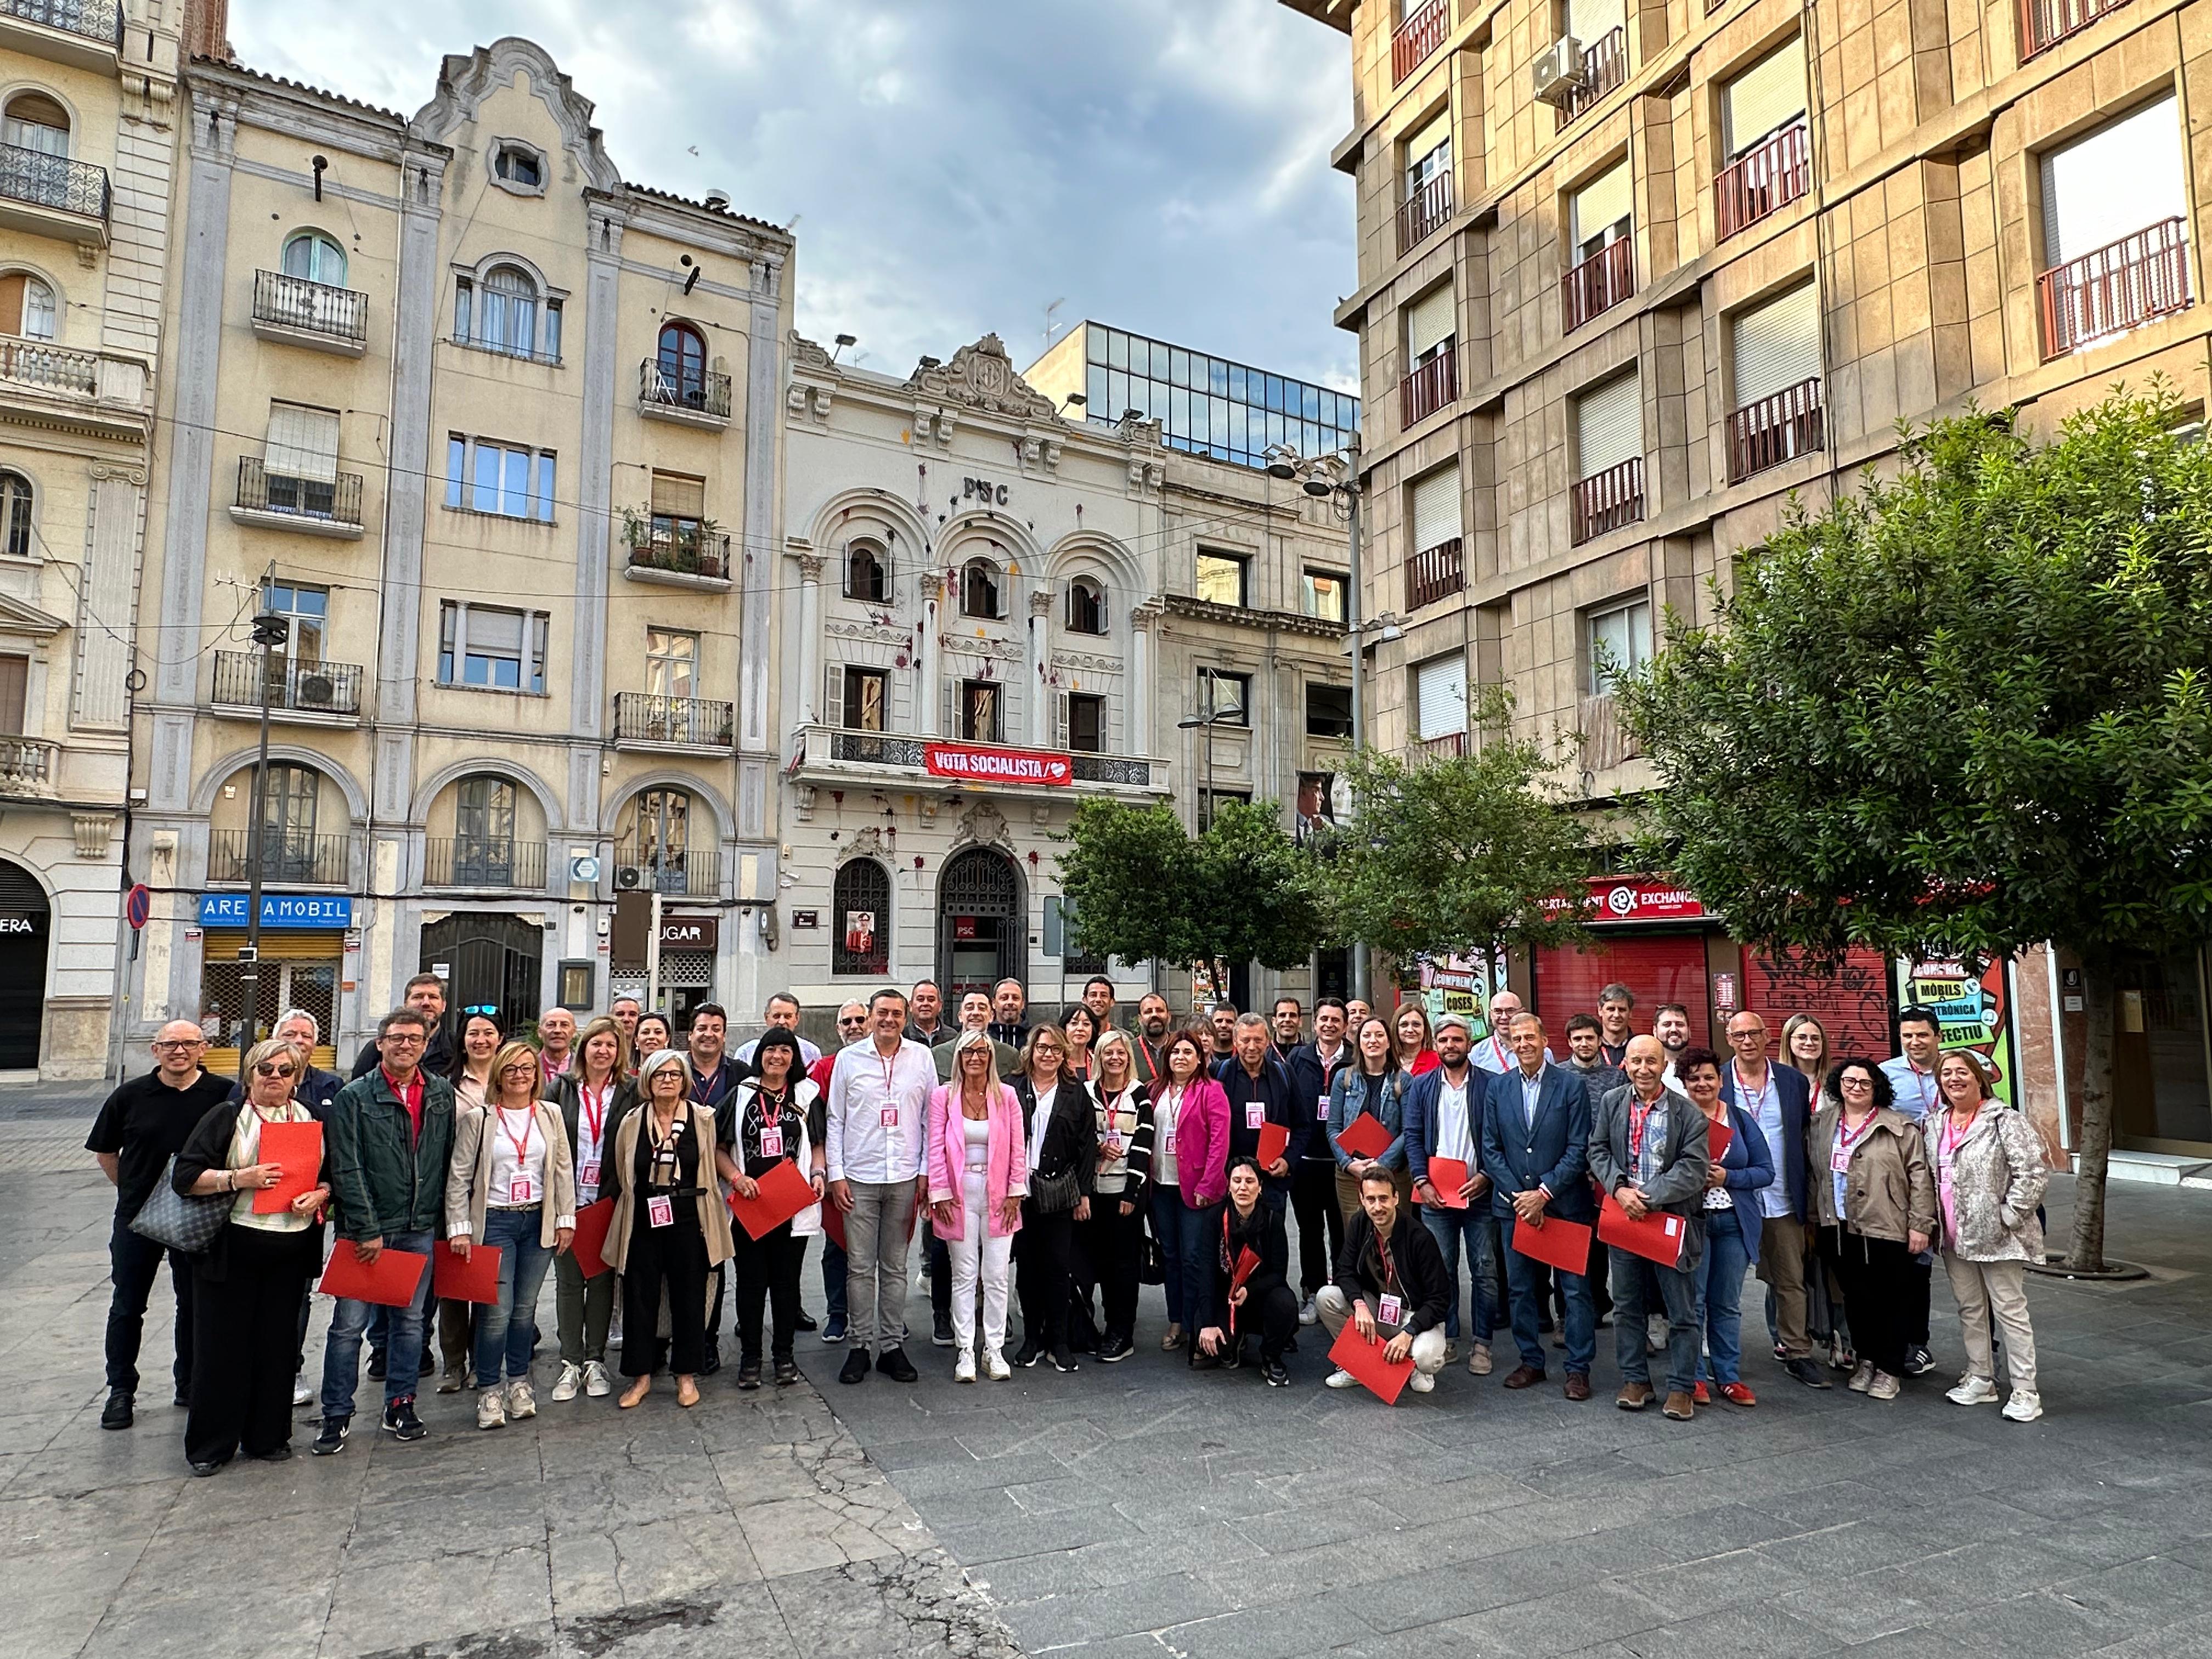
(1536, 1149)
(1443, 1118)
(1779, 1099)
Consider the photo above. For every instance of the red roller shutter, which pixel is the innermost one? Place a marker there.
(1852, 1004)
(1658, 967)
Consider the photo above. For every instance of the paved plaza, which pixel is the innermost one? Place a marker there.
(1123, 1511)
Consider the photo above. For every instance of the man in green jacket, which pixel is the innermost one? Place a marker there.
(387, 1143)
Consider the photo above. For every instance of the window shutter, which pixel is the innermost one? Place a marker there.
(1777, 345)
(14, 689)
(303, 442)
(674, 496)
(1430, 321)
(833, 694)
(1769, 95)
(1060, 720)
(1440, 696)
(11, 303)
(1608, 425)
(1438, 132)
(2122, 178)
(1591, 20)
(1436, 508)
(1600, 204)
(952, 728)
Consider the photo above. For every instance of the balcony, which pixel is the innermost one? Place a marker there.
(1605, 66)
(1605, 741)
(1606, 500)
(832, 756)
(2044, 23)
(28, 766)
(293, 311)
(1423, 213)
(1764, 180)
(53, 196)
(1777, 427)
(484, 862)
(288, 857)
(2113, 288)
(1417, 36)
(1597, 283)
(690, 399)
(89, 391)
(1435, 572)
(303, 693)
(1429, 388)
(311, 507)
(1448, 746)
(682, 873)
(645, 721)
(88, 33)
(681, 559)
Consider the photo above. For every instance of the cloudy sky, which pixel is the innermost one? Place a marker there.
(955, 165)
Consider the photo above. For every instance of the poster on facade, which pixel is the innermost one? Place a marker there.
(1316, 805)
(861, 933)
(1971, 1013)
(1457, 985)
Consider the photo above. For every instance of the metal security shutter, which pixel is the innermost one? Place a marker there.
(1428, 138)
(303, 442)
(1430, 322)
(1777, 345)
(1590, 20)
(674, 496)
(1600, 204)
(1440, 696)
(1608, 425)
(1662, 968)
(1436, 508)
(1769, 95)
(2122, 178)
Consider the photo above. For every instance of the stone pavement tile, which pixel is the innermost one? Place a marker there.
(54, 1608)
(723, 1619)
(932, 1452)
(2183, 1641)
(998, 1540)
(1207, 1546)
(2044, 1622)
(1034, 1577)
(94, 1517)
(265, 1622)
(1327, 1568)
(1846, 1547)
(1445, 1499)
(596, 1571)
(2154, 1590)
(1758, 1632)
(1705, 1584)
(1066, 1494)
(1278, 1630)
(1146, 1604)
(915, 1606)
(1915, 1642)
(1282, 1530)
(600, 1497)
(391, 1534)
(1988, 1571)
(1864, 1606)
(439, 1596)
(1569, 1620)
(31, 1431)
(803, 1535)
(977, 1475)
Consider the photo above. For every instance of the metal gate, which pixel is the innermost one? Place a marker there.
(494, 964)
(982, 923)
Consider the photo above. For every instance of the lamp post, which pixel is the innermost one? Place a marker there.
(269, 631)
(1214, 716)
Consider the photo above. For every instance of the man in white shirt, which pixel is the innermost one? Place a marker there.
(1670, 1024)
(878, 1098)
(782, 1010)
(1912, 1076)
(1443, 1118)
(1494, 1053)
(1776, 1098)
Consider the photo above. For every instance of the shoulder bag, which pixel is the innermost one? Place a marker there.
(188, 1224)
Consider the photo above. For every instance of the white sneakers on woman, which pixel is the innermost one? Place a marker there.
(520, 1402)
(597, 1383)
(565, 1386)
(1973, 1391)
(2024, 1406)
(491, 1409)
(995, 1367)
(963, 1368)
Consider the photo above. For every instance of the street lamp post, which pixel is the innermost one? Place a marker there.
(1212, 717)
(269, 631)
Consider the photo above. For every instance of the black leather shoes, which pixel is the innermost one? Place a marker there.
(894, 1364)
(117, 1413)
(855, 1368)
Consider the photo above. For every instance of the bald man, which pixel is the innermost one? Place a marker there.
(1494, 1053)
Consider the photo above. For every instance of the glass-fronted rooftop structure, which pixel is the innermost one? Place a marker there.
(1205, 405)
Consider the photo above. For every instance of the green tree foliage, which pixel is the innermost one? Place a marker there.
(1961, 712)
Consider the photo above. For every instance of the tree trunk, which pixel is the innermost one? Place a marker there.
(2087, 1254)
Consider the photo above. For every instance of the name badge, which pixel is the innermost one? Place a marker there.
(660, 1212)
(1389, 1310)
(1320, 1109)
(1255, 1114)
(587, 1173)
(522, 1190)
(772, 1141)
(891, 1117)
(1113, 1145)
(1839, 1158)
(1167, 1137)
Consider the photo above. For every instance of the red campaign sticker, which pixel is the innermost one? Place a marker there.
(986, 763)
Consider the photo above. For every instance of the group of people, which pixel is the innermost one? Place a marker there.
(1060, 1164)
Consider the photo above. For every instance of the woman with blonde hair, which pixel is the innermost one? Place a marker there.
(1990, 1176)
(1063, 1165)
(1805, 1049)
(976, 1161)
(594, 1095)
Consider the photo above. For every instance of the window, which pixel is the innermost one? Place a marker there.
(16, 506)
(1430, 324)
(300, 459)
(1608, 426)
(1226, 697)
(1321, 594)
(2115, 218)
(979, 590)
(36, 122)
(1329, 710)
(1764, 98)
(1082, 723)
(519, 165)
(483, 644)
(14, 693)
(1440, 697)
(867, 574)
(26, 307)
(485, 476)
(1428, 155)
(1620, 643)
(671, 663)
(1209, 799)
(1223, 411)
(859, 699)
(662, 842)
(1221, 577)
(314, 257)
(484, 832)
(1598, 213)
(306, 613)
(861, 902)
(506, 314)
(682, 364)
(1778, 345)
(1087, 606)
(979, 707)
(289, 798)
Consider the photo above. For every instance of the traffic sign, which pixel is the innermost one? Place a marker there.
(137, 906)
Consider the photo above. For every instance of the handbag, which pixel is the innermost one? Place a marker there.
(187, 1225)
(1053, 1193)
(1151, 1267)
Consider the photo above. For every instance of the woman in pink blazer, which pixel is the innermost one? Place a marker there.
(1190, 1158)
(977, 1164)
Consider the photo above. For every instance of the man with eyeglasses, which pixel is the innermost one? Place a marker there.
(141, 1127)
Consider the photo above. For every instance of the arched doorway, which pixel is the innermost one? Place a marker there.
(983, 922)
(26, 926)
(491, 962)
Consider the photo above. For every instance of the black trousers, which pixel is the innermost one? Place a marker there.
(766, 1268)
(1923, 1280)
(1321, 1221)
(674, 1257)
(1273, 1315)
(1108, 1252)
(246, 1333)
(1881, 1282)
(134, 1262)
(1042, 1249)
(940, 1277)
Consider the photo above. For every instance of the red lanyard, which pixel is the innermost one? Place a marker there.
(594, 1111)
(1636, 1117)
(1390, 1267)
(761, 1102)
(1846, 1133)
(529, 1129)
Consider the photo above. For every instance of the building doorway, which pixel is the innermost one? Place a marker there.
(2160, 1064)
(491, 963)
(26, 928)
(983, 932)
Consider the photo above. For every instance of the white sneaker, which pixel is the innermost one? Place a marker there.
(995, 1367)
(1422, 1382)
(1340, 1378)
(520, 1402)
(596, 1381)
(1884, 1387)
(1308, 1314)
(2023, 1406)
(491, 1409)
(565, 1385)
(303, 1392)
(1863, 1378)
(1973, 1391)
(963, 1368)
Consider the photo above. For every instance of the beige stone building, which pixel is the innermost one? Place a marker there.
(493, 431)
(89, 129)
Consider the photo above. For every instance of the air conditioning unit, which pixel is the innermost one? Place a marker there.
(317, 690)
(628, 878)
(1558, 74)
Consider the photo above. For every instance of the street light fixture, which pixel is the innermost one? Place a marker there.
(1209, 721)
(271, 632)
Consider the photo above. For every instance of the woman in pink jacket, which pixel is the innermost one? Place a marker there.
(977, 1162)
(1190, 1157)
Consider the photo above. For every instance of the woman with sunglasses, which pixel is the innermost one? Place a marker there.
(1874, 1204)
(1190, 1175)
(593, 1097)
(247, 1284)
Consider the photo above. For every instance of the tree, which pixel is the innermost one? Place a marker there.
(1960, 713)
(1458, 854)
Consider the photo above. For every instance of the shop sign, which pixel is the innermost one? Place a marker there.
(1641, 898)
(806, 918)
(1971, 1011)
(17, 922)
(690, 932)
(964, 930)
(977, 762)
(278, 910)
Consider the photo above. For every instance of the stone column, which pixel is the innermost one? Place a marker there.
(1142, 619)
(1042, 697)
(811, 566)
(929, 690)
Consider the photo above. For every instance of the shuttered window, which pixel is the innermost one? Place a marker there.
(1608, 425)
(674, 496)
(2122, 178)
(14, 687)
(1777, 345)
(303, 442)
(1428, 153)
(1440, 696)
(1429, 322)
(1769, 95)
(1590, 20)
(1436, 508)
(1598, 206)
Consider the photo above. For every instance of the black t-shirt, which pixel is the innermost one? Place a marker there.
(145, 1123)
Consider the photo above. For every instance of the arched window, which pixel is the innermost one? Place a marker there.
(484, 832)
(660, 847)
(682, 365)
(862, 903)
(979, 590)
(27, 307)
(314, 257)
(867, 573)
(36, 122)
(15, 515)
(505, 314)
(1087, 606)
(289, 798)
(518, 167)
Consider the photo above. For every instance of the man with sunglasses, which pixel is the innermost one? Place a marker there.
(851, 1028)
(141, 1127)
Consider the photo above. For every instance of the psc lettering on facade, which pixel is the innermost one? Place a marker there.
(983, 490)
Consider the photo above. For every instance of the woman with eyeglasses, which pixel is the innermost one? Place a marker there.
(1110, 1247)
(1190, 1175)
(593, 1096)
(770, 1121)
(1990, 1176)
(1874, 1203)
(1063, 1163)
(247, 1284)
(1416, 1043)
(1080, 1027)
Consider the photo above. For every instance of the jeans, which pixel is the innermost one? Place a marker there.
(133, 1262)
(506, 1329)
(833, 1283)
(1478, 1229)
(879, 1237)
(1524, 1290)
(1719, 1295)
(1181, 1230)
(1641, 1288)
(404, 1326)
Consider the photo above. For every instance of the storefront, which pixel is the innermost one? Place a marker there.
(688, 945)
(2160, 1058)
(26, 931)
(303, 941)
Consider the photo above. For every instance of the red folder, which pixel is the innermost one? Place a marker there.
(391, 1280)
(1274, 1141)
(1247, 1263)
(1365, 1137)
(299, 1148)
(1448, 1175)
(783, 1194)
(1562, 1244)
(476, 1280)
(1718, 1135)
(1353, 1353)
(832, 1223)
(1658, 1237)
(591, 1224)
